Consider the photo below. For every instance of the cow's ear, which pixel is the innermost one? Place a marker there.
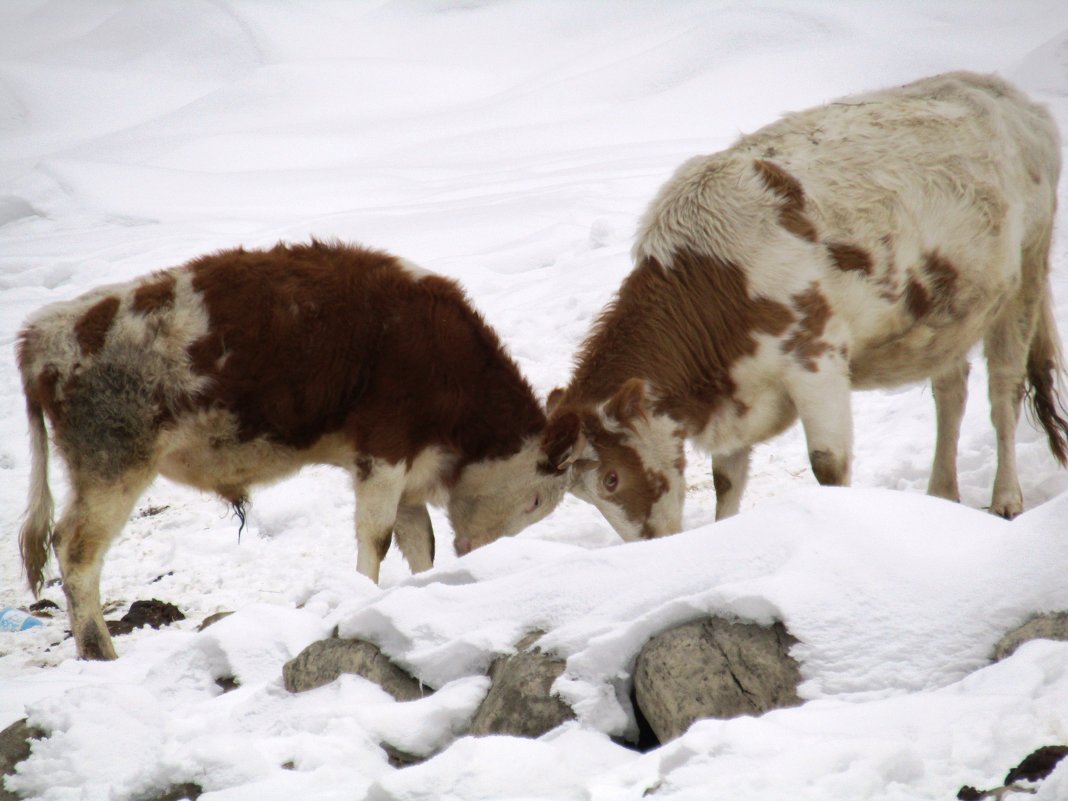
(563, 441)
(628, 403)
(555, 397)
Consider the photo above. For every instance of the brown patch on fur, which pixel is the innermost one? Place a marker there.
(554, 399)
(639, 487)
(781, 183)
(850, 258)
(154, 295)
(680, 328)
(91, 330)
(942, 278)
(936, 298)
(798, 224)
(917, 300)
(324, 338)
(805, 342)
(792, 215)
(42, 389)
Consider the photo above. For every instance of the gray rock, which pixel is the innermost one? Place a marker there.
(322, 662)
(180, 792)
(15, 743)
(1040, 627)
(714, 669)
(519, 701)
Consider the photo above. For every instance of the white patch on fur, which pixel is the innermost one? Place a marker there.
(495, 498)
(413, 269)
(424, 480)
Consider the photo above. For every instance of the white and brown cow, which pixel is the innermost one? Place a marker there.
(867, 243)
(241, 367)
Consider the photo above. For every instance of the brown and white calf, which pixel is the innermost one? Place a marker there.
(243, 366)
(867, 243)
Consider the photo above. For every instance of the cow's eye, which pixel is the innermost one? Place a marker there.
(534, 504)
(610, 480)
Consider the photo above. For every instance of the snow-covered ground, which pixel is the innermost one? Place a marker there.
(511, 145)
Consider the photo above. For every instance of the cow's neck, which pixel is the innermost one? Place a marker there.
(681, 328)
(503, 415)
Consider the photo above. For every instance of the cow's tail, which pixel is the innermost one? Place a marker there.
(35, 539)
(1045, 373)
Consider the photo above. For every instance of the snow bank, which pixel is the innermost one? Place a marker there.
(513, 146)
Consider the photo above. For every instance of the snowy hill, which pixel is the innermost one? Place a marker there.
(511, 145)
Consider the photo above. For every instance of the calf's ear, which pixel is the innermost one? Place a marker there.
(628, 403)
(563, 440)
(555, 397)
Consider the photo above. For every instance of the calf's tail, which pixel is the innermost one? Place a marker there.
(1045, 372)
(35, 538)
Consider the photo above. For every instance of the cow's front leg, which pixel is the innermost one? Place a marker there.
(822, 398)
(730, 471)
(415, 536)
(950, 396)
(378, 493)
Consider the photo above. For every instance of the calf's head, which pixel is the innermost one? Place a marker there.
(500, 497)
(622, 457)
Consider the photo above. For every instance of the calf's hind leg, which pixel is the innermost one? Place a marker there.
(94, 516)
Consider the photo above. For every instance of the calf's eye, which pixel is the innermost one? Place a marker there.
(534, 504)
(611, 480)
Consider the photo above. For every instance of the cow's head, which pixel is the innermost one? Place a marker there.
(625, 459)
(500, 497)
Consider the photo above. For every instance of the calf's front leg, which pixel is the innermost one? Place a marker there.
(378, 494)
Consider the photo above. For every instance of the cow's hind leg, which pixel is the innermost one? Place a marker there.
(1006, 393)
(1006, 345)
(950, 396)
(415, 536)
(95, 514)
(378, 494)
(730, 471)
